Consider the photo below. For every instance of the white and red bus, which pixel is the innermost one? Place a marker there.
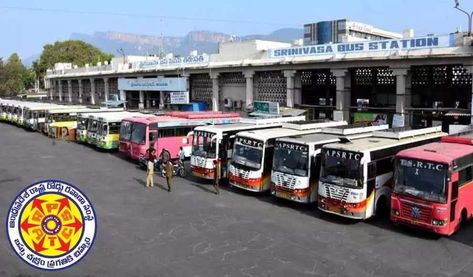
(169, 131)
(212, 142)
(356, 177)
(252, 159)
(433, 187)
(296, 163)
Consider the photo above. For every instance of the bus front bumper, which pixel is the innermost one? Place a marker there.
(204, 173)
(296, 195)
(338, 207)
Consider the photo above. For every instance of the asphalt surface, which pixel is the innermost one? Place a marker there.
(193, 232)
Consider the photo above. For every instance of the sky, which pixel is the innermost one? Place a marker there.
(25, 26)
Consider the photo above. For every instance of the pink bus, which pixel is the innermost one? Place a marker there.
(168, 131)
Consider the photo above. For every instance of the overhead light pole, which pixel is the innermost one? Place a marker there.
(470, 15)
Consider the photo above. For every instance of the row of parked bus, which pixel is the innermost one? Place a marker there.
(420, 177)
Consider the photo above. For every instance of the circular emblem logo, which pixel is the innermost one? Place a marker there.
(51, 225)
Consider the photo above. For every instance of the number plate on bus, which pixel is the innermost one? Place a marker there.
(283, 195)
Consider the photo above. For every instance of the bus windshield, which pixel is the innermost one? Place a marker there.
(102, 128)
(125, 130)
(290, 161)
(81, 123)
(247, 156)
(422, 179)
(341, 167)
(202, 145)
(93, 126)
(138, 133)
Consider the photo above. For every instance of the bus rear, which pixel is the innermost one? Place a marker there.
(356, 178)
(432, 188)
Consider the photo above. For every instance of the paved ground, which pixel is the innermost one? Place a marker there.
(193, 232)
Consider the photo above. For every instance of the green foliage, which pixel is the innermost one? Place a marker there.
(76, 52)
(14, 77)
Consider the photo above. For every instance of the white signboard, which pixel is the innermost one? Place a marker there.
(398, 120)
(178, 61)
(364, 46)
(179, 97)
(157, 84)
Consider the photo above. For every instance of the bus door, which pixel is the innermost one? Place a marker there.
(454, 197)
(153, 140)
(314, 173)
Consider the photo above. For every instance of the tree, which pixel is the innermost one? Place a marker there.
(76, 52)
(12, 76)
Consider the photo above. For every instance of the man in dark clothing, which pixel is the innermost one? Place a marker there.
(217, 169)
(169, 168)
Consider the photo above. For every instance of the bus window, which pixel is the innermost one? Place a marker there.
(114, 128)
(465, 176)
(182, 131)
(167, 132)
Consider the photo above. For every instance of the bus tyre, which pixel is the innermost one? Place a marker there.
(463, 219)
(182, 172)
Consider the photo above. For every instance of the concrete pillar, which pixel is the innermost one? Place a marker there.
(52, 89)
(402, 93)
(470, 69)
(80, 90)
(298, 88)
(69, 91)
(188, 83)
(289, 74)
(249, 87)
(343, 94)
(92, 91)
(161, 99)
(60, 90)
(215, 91)
(106, 88)
(141, 104)
(123, 97)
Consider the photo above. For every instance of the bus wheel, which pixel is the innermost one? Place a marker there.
(182, 172)
(463, 219)
(382, 208)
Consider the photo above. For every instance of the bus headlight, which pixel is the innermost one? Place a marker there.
(438, 222)
(395, 212)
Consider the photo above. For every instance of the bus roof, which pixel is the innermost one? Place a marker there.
(45, 107)
(116, 117)
(442, 152)
(386, 139)
(322, 138)
(82, 109)
(233, 127)
(273, 133)
(202, 115)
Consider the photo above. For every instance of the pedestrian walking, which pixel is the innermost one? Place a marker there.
(150, 168)
(169, 168)
(217, 169)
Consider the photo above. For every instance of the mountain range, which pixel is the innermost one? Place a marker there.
(202, 41)
(138, 44)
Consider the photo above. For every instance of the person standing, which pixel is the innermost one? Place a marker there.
(150, 168)
(217, 169)
(169, 167)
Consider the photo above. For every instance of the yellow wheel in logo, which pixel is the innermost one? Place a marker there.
(51, 225)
